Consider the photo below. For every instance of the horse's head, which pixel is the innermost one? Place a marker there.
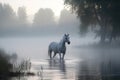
(67, 38)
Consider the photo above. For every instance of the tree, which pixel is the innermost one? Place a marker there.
(7, 16)
(43, 18)
(22, 16)
(66, 22)
(105, 13)
(67, 19)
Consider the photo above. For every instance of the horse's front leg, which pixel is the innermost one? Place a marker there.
(63, 55)
(60, 55)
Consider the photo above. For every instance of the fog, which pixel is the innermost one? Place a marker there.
(44, 22)
(86, 58)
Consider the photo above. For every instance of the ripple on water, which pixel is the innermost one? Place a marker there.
(55, 68)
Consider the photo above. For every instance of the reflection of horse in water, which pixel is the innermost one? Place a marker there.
(58, 64)
(59, 47)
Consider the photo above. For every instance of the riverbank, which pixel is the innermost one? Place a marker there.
(15, 74)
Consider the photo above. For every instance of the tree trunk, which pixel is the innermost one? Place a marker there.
(104, 25)
(103, 35)
(102, 38)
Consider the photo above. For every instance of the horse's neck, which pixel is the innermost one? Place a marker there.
(62, 43)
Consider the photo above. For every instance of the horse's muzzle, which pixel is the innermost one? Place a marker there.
(68, 42)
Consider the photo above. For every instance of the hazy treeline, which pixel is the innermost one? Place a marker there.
(44, 22)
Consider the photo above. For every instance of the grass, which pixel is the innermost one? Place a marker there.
(10, 68)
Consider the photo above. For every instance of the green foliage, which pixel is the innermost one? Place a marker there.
(105, 13)
(5, 65)
(9, 64)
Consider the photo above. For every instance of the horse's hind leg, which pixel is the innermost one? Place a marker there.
(54, 54)
(50, 53)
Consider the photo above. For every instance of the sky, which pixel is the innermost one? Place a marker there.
(32, 6)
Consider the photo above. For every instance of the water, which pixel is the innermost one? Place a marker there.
(80, 63)
(37, 47)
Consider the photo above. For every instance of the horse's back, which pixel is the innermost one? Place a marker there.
(53, 46)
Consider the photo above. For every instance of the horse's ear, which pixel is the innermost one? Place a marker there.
(65, 34)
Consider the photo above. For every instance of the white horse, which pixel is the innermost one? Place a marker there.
(59, 48)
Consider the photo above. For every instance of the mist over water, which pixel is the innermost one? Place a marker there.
(35, 47)
(82, 59)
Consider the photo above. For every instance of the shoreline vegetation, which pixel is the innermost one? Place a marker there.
(10, 66)
(15, 74)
